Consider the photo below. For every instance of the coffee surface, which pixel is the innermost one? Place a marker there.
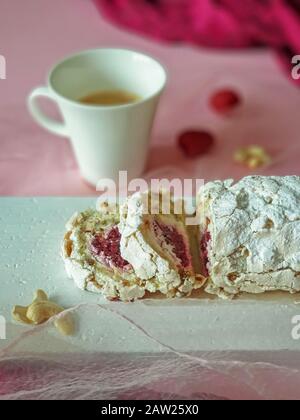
(109, 98)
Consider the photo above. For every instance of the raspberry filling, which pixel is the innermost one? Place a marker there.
(170, 238)
(107, 249)
(206, 238)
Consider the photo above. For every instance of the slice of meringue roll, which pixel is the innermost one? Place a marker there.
(157, 245)
(91, 252)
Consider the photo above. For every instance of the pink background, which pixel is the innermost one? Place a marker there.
(34, 34)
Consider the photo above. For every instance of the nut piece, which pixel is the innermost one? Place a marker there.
(40, 311)
(252, 156)
(19, 314)
(200, 281)
(254, 163)
(68, 244)
(241, 155)
(39, 295)
(65, 324)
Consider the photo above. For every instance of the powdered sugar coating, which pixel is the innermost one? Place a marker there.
(255, 233)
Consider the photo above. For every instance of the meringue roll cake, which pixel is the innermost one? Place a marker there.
(157, 246)
(91, 252)
(250, 235)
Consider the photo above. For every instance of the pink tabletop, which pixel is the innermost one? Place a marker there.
(36, 33)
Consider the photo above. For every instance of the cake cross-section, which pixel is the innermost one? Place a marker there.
(157, 246)
(91, 252)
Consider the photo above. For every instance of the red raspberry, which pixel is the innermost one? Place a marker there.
(175, 241)
(195, 143)
(107, 249)
(224, 100)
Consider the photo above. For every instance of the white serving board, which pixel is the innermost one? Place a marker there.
(31, 234)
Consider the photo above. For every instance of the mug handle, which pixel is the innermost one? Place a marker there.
(49, 124)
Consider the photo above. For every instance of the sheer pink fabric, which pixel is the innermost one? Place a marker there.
(28, 372)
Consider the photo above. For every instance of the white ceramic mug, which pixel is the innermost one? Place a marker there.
(105, 139)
